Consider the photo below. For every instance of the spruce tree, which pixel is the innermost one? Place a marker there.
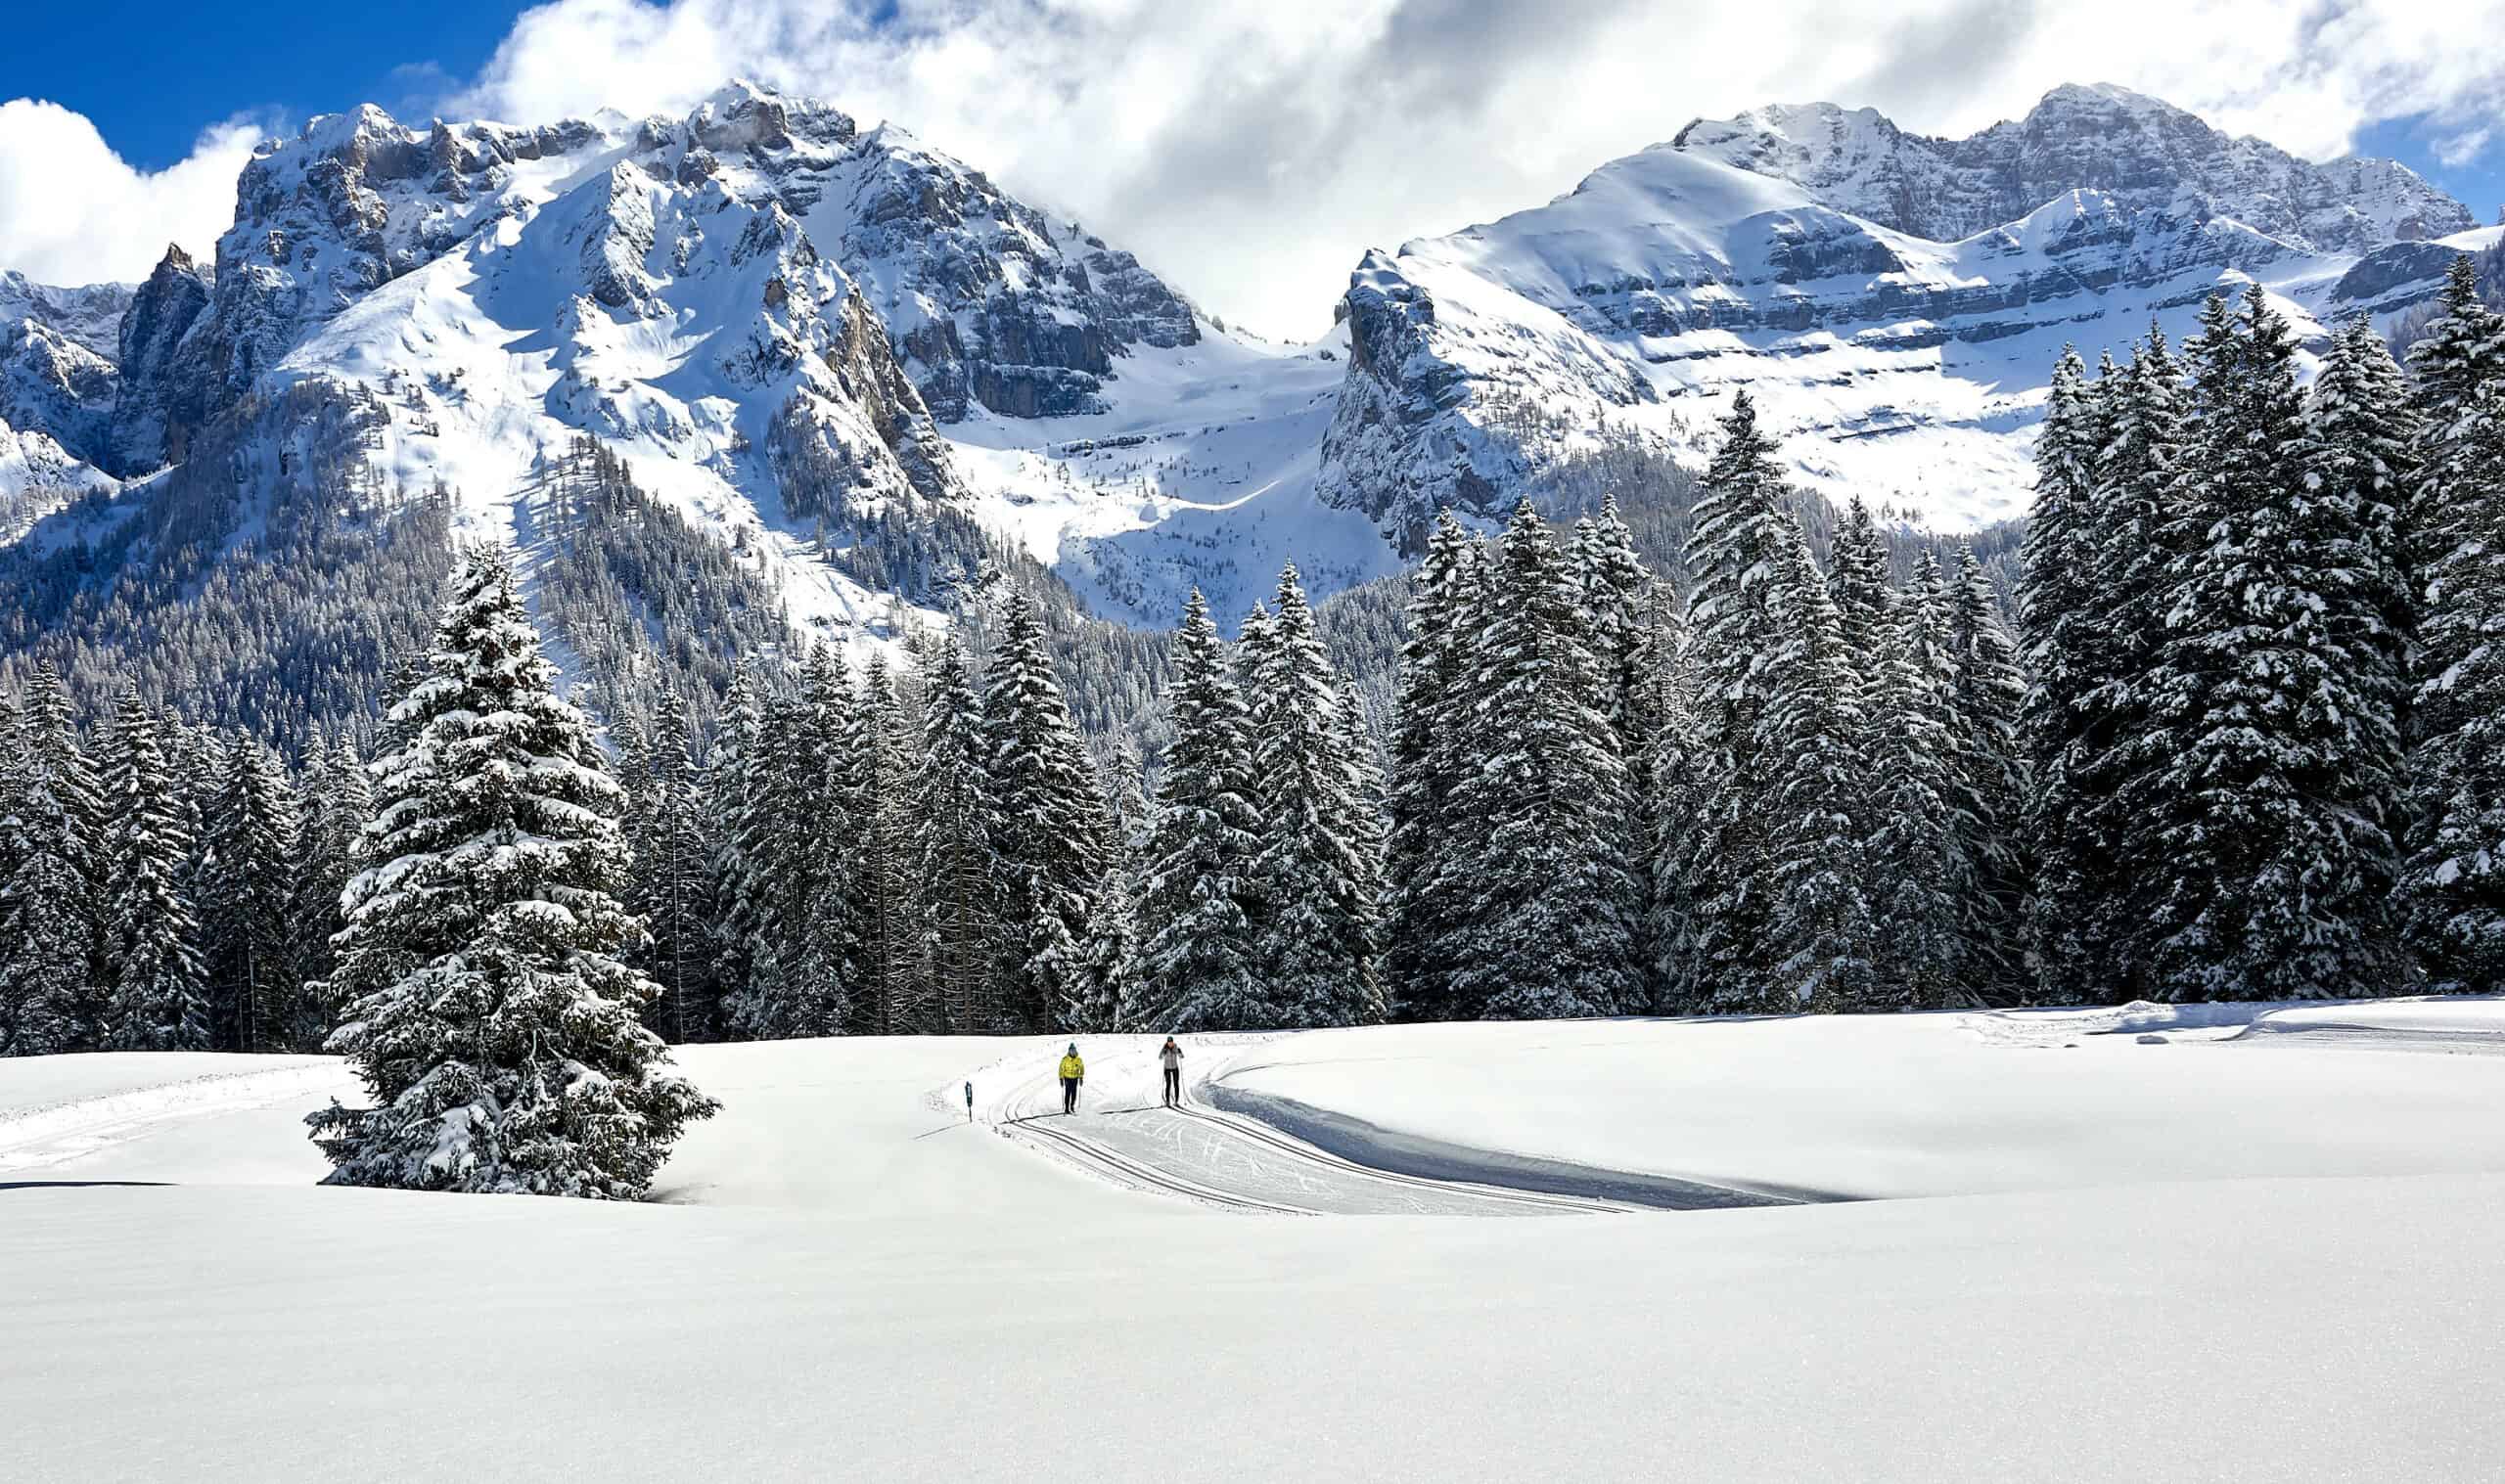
(739, 787)
(1676, 812)
(485, 1006)
(1920, 882)
(248, 871)
(1198, 952)
(1818, 926)
(1047, 825)
(2452, 884)
(160, 997)
(1989, 699)
(882, 780)
(1315, 945)
(676, 901)
(338, 802)
(1426, 760)
(1721, 868)
(958, 885)
(2262, 819)
(53, 978)
(1549, 898)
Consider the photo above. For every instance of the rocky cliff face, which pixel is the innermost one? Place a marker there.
(1885, 298)
(2143, 153)
(56, 372)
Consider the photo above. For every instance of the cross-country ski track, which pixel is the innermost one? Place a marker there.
(1124, 1132)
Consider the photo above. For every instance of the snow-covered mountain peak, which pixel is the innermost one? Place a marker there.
(2146, 152)
(1892, 301)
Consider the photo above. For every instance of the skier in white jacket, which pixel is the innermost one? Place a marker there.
(1170, 1056)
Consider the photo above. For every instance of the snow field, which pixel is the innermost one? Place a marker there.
(841, 1278)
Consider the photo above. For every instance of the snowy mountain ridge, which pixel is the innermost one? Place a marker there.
(789, 325)
(1790, 254)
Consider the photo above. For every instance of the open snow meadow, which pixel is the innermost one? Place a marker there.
(2152, 1243)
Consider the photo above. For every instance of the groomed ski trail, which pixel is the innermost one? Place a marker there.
(1123, 1133)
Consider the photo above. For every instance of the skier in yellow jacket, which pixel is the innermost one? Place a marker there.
(1072, 1072)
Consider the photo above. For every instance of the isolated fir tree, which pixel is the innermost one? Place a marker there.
(1549, 900)
(1420, 939)
(1047, 825)
(53, 978)
(1315, 943)
(2452, 884)
(487, 1009)
(1198, 952)
(160, 995)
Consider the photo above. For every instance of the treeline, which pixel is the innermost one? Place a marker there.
(164, 886)
(2248, 749)
(2268, 692)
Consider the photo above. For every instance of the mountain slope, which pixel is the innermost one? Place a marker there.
(1785, 254)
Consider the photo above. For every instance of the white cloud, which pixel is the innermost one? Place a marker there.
(73, 211)
(1251, 149)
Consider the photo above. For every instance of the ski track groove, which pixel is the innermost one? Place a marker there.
(1125, 1170)
(1244, 1128)
(1226, 1167)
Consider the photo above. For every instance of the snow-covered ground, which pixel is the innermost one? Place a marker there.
(2237, 1254)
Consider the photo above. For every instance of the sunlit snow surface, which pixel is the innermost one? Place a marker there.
(2242, 1254)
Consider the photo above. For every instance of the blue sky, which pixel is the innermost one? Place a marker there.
(153, 74)
(1249, 150)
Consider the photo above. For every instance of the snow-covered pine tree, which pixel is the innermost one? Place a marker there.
(53, 978)
(1368, 832)
(817, 889)
(2056, 599)
(1678, 799)
(2452, 885)
(738, 788)
(1419, 938)
(1865, 593)
(676, 900)
(249, 872)
(1865, 596)
(1107, 990)
(1819, 927)
(957, 885)
(883, 786)
(1720, 868)
(1549, 897)
(1990, 699)
(2264, 819)
(158, 999)
(1918, 882)
(338, 800)
(1614, 593)
(487, 1008)
(1048, 824)
(1315, 945)
(1196, 948)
